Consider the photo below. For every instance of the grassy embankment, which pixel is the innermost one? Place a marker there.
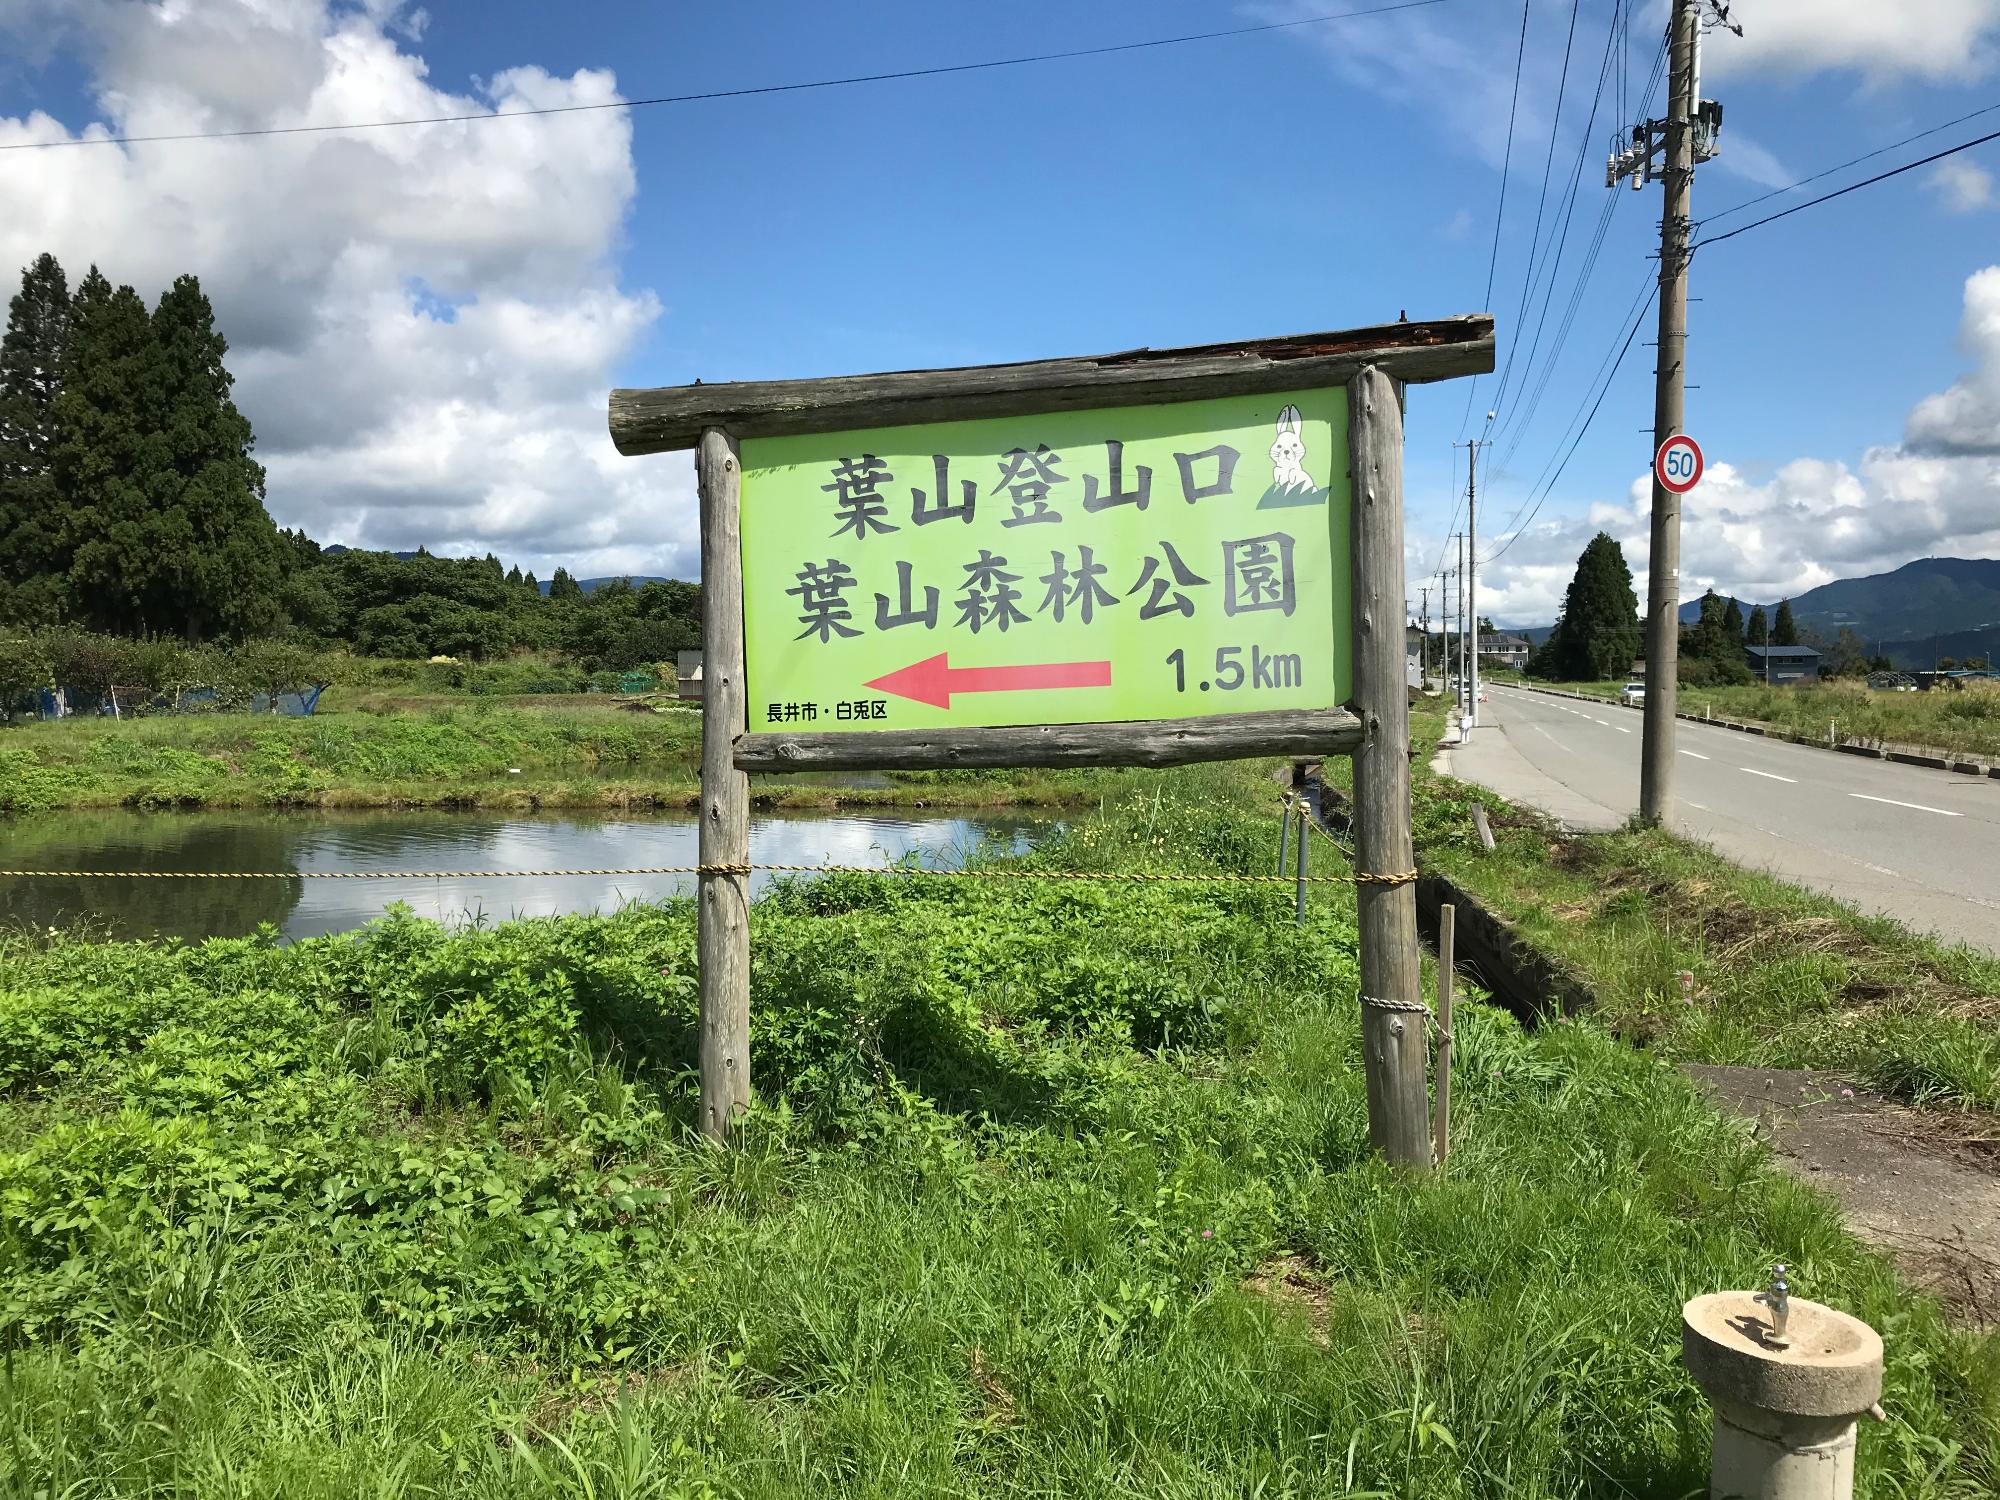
(567, 756)
(1966, 719)
(1781, 976)
(1060, 1189)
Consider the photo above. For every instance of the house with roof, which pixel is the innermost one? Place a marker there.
(1507, 650)
(1782, 666)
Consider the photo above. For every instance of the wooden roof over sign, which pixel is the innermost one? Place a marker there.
(666, 418)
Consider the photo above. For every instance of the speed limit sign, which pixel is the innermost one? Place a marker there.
(1678, 464)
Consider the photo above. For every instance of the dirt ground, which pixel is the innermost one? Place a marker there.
(1922, 1185)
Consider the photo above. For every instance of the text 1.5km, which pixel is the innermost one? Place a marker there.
(1233, 669)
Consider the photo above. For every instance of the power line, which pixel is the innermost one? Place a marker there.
(1500, 214)
(1852, 187)
(742, 93)
(1535, 238)
(1562, 238)
(1737, 208)
(1603, 390)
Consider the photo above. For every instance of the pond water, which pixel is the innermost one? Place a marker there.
(389, 842)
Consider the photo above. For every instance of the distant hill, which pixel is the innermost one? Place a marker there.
(592, 585)
(588, 585)
(1942, 595)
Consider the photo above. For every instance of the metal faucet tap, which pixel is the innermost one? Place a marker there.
(1778, 1299)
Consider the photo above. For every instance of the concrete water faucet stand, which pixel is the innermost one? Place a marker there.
(1788, 1379)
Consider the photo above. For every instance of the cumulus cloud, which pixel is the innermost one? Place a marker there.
(423, 321)
(1936, 40)
(1937, 493)
(1965, 186)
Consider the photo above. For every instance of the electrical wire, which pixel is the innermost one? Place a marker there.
(1737, 208)
(742, 93)
(1609, 375)
(1852, 187)
(1562, 238)
(1500, 214)
(1541, 202)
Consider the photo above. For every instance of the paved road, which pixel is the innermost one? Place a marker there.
(1916, 844)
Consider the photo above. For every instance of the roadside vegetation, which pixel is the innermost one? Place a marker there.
(477, 754)
(1056, 1188)
(1698, 960)
(1964, 718)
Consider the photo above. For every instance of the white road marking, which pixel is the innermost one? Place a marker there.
(1695, 753)
(1942, 812)
(1549, 737)
(1698, 807)
(1880, 870)
(1768, 775)
(1621, 728)
(1595, 720)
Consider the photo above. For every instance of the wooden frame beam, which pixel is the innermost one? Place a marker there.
(673, 417)
(1166, 742)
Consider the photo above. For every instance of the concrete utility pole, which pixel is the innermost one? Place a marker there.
(1472, 571)
(1424, 636)
(1666, 151)
(1464, 713)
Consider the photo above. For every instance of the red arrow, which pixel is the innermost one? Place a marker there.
(935, 679)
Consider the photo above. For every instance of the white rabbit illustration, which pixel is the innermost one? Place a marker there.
(1288, 453)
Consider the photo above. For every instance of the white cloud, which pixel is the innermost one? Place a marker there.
(1743, 157)
(1936, 40)
(423, 321)
(1964, 185)
(1937, 493)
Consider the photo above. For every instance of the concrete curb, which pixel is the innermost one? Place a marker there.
(1909, 755)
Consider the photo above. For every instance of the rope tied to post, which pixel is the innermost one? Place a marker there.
(893, 871)
(1405, 1007)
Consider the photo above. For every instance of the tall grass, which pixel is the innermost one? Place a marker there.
(1055, 1189)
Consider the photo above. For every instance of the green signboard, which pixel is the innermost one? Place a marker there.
(1136, 563)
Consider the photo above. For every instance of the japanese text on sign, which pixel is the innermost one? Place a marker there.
(1152, 562)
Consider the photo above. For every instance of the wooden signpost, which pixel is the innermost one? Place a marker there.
(1147, 558)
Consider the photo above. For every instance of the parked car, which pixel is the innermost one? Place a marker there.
(1633, 695)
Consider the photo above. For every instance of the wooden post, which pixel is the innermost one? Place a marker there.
(1392, 1008)
(723, 940)
(1447, 963)
(1299, 904)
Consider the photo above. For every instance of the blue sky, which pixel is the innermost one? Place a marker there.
(425, 326)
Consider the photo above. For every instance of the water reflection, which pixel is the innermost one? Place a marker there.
(414, 841)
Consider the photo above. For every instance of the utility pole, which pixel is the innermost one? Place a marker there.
(1423, 636)
(1666, 151)
(1463, 713)
(1472, 570)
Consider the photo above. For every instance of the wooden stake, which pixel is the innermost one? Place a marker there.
(1391, 976)
(723, 938)
(1441, 1122)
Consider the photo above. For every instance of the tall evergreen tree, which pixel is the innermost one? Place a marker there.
(1759, 631)
(1597, 635)
(227, 565)
(107, 458)
(1732, 623)
(1784, 630)
(31, 364)
(564, 587)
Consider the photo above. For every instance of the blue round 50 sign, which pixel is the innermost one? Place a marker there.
(1678, 464)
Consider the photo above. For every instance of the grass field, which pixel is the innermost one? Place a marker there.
(1057, 1189)
(566, 755)
(1967, 719)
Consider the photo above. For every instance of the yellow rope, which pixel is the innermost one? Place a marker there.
(980, 874)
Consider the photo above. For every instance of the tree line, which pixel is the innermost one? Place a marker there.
(1598, 634)
(131, 506)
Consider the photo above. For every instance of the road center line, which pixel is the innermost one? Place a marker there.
(1942, 812)
(1549, 737)
(1695, 753)
(1621, 728)
(1768, 775)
